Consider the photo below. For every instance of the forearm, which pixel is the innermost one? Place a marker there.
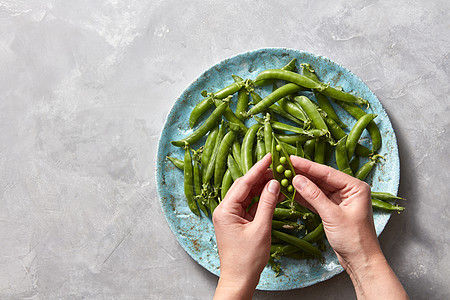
(374, 279)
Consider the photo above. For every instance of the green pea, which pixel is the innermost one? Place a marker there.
(288, 173)
(278, 147)
(283, 160)
(290, 188)
(280, 169)
(284, 182)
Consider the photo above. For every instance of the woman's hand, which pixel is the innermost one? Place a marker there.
(244, 237)
(344, 204)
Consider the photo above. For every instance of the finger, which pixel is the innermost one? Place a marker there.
(267, 203)
(254, 174)
(304, 203)
(256, 190)
(241, 188)
(252, 210)
(258, 187)
(329, 176)
(312, 194)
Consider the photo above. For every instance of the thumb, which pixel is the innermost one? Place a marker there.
(267, 202)
(312, 194)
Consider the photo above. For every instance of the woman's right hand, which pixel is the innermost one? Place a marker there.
(344, 204)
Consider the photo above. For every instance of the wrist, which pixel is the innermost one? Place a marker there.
(358, 269)
(233, 286)
(374, 279)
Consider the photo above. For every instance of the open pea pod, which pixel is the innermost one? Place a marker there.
(282, 168)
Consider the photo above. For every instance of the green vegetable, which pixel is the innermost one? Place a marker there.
(189, 182)
(208, 102)
(212, 121)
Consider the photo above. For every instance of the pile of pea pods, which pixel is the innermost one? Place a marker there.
(290, 124)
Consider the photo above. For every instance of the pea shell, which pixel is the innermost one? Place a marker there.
(276, 155)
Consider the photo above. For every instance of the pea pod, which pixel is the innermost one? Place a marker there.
(222, 155)
(197, 181)
(235, 171)
(236, 150)
(354, 163)
(372, 128)
(322, 100)
(338, 133)
(300, 152)
(227, 181)
(302, 244)
(208, 102)
(267, 133)
(293, 109)
(286, 225)
(319, 123)
(242, 102)
(260, 146)
(256, 98)
(308, 148)
(284, 250)
(275, 96)
(319, 151)
(341, 157)
(288, 76)
(385, 196)
(292, 139)
(177, 162)
(282, 168)
(286, 127)
(276, 109)
(247, 148)
(276, 240)
(315, 235)
(311, 84)
(290, 66)
(277, 250)
(325, 104)
(310, 109)
(291, 150)
(384, 205)
(208, 172)
(188, 182)
(362, 173)
(231, 116)
(328, 153)
(286, 213)
(212, 120)
(212, 203)
(209, 146)
(355, 133)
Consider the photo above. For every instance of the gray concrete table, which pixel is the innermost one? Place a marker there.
(84, 90)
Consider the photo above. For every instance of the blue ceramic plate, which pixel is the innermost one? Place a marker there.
(196, 235)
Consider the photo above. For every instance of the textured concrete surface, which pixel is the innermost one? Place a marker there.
(84, 90)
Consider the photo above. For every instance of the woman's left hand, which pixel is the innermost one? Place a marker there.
(244, 237)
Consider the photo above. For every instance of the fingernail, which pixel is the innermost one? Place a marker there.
(300, 182)
(274, 187)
